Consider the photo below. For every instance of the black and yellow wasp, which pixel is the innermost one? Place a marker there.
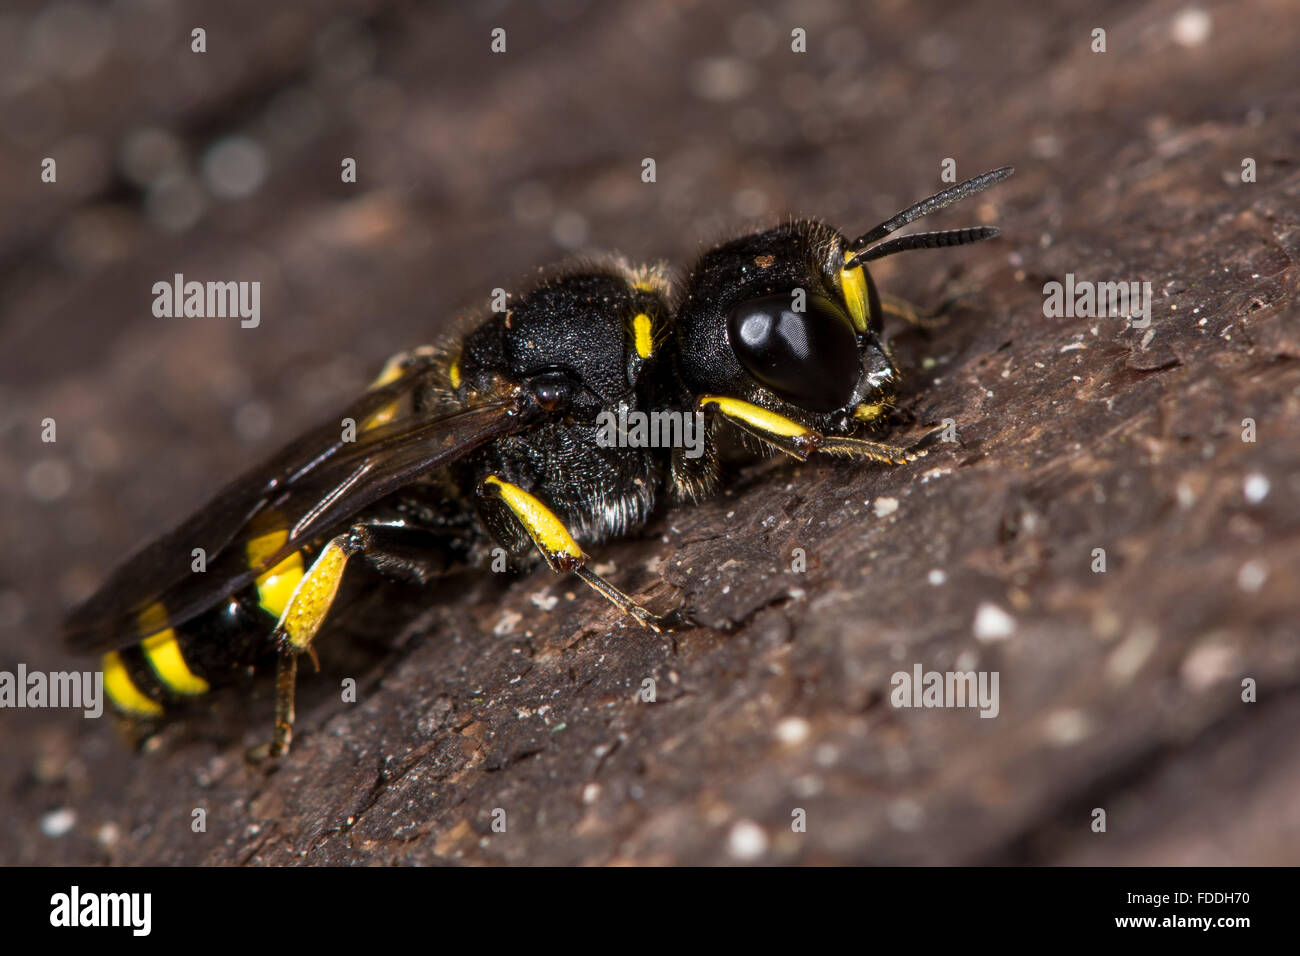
(493, 440)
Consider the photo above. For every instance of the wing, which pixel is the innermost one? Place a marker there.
(302, 492)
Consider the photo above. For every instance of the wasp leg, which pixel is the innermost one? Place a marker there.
(410, 553)
(902, 309)
(801, 441)
(563, 554)
(301, 620)
(286, 677)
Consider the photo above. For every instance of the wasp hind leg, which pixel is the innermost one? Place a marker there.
(404, 552)
(562, 553)
(299, 624)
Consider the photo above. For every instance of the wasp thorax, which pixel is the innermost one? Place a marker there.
(808, 357)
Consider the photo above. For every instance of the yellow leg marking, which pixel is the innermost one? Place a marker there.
(274, 587)
(312, 598)
(854, 284)
(453, 374)
(643, 334)
(547, 531)
(163, 652)
(760, 418)
(562, 553)
(794, 439)
(298, 625)
(122, 691)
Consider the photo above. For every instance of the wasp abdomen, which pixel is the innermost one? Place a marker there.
(170, 665)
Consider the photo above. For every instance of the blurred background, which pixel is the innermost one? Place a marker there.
(473, 169)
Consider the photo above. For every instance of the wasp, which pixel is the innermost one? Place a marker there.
(492, 440)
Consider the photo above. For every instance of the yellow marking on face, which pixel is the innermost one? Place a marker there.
(274, 586)
(643, 334)
(122, 691)
(760, 418)
(854, 283)
(453, 374)
(314, 596)
(543, 526)
(868, 413)
(163, 652)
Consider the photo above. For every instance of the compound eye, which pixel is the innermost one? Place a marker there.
(808, 358)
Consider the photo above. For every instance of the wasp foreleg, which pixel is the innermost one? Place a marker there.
(909, 313)
(801, 441)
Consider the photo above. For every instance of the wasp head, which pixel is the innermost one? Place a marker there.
(789, 319)
(776, 319)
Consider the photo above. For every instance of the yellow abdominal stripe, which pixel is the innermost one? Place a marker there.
(541, 523)
(854, 283)
(163, 652)
(122, 691)
(758, 417)
(164, 655)
(275, 586)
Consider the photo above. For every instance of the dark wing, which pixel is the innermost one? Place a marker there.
(305, 490)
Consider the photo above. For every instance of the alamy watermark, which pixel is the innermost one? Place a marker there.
(1082, 298)
(208, 300)
(78, 690)
(131, 911)
(922, 688)
(631, 428)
